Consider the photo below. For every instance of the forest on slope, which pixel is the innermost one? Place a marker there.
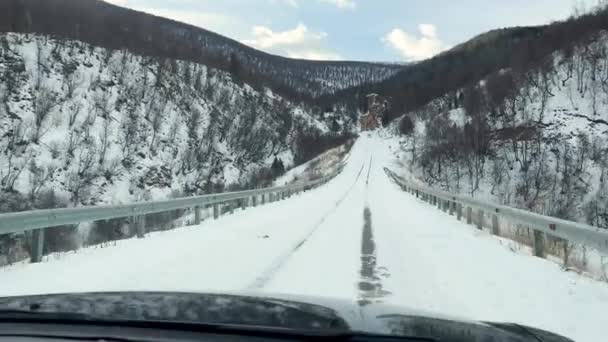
(533, 134)
(84, 125)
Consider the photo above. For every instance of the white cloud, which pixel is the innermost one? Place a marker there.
(292, 3)
(299, 42)
(428, 30)
(265, 38)
(342, 4)
(412, 47)
(319, 55)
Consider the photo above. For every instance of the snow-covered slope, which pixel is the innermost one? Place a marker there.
(542, 148)
(321, 166)
(99, 126)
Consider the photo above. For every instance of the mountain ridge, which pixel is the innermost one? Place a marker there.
(106, 25)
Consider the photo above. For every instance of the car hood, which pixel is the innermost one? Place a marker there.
(276, 311)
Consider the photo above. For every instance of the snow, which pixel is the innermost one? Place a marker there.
(311, 245)
(458, 116)
(324, 164)
(121, 83)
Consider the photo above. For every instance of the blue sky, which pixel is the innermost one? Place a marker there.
(374, 30)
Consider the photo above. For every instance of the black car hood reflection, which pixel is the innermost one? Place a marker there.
(281, 311)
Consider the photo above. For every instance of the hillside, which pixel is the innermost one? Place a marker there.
(520, 48)
(419, 83)
(534, 139)
(83, 125)
(112, 27)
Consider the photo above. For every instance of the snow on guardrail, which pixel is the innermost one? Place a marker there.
(570, 231)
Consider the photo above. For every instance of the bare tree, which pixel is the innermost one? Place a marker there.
(74, 111)
(13, 171)
(86, 162)
(14, 136)
(156, 122)
(130, 130)
(74, 139)
(44, 102)
(39, 176)
(80, 181)
(40, 66)
(111, 169)
(102, 104)
(104, 141)
(72, 81)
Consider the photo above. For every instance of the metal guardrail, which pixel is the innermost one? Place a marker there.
(37, 220)
(567, 230)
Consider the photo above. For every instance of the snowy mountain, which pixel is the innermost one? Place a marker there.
(99, 126)
(533, 138)
(112, 27)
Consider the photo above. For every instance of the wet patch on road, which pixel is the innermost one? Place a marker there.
(370, 284)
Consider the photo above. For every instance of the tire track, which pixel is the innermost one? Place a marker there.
(370, 284)
(266, 276)
(369, 170)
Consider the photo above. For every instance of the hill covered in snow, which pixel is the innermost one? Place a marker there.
(83, 125)
(534, 138)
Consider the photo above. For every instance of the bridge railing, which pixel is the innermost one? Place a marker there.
(37, 221)
(474, 211)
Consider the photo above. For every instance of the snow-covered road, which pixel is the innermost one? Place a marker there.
(359, 237)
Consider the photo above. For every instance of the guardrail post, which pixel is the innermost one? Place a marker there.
(495, 226)
(480, 219)
(197, 215)
(216, 211)
(37, 247)
(254, 200)
(539, 244)
(137, 225)
(439, 200)
(231, 208)
(417, 194)
(459, 211)
(263, 199)
(452, 205)
(445, 205)
(469, 215)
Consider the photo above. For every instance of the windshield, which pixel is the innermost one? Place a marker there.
(449, 159)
